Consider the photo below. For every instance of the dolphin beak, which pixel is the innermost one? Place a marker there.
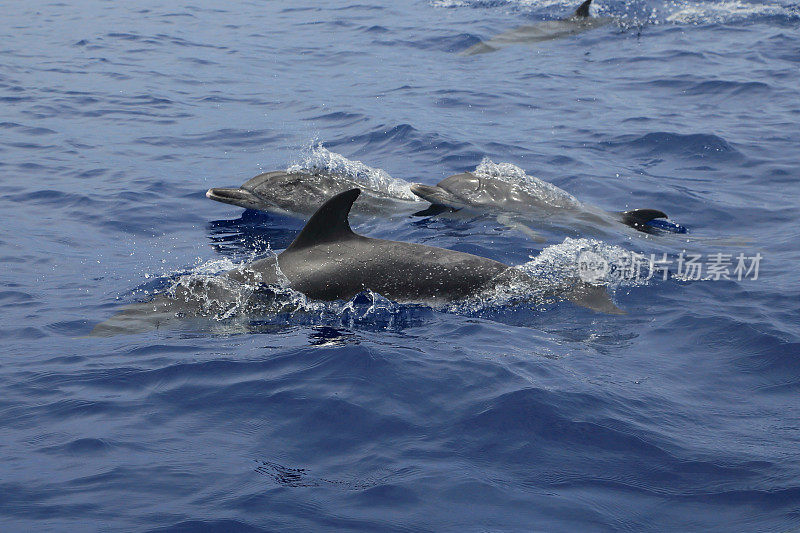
(424, 191)
(237, 196)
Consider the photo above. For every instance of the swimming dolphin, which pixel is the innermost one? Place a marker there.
(328, 261)
(515, 204)
(578, 22)
(299, 193)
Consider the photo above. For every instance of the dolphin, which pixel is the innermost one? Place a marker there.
(299, 193)
(516, 204)
(327, 261)
(578, 22)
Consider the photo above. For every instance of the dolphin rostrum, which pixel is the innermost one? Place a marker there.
(578, 22)
(515, 204)
(328, 261)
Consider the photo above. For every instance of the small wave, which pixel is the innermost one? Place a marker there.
(748, 89)
(81, 446)
(694, 145)
(514, 175)
(300, 477)
(50, 197)
(225, 136)
(317, 157)
(27, 130)
(340, 118)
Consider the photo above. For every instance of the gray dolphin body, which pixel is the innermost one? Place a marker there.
(579, 22)
(300, 193)
(328, 261)
(517, 204)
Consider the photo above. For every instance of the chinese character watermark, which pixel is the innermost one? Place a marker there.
(594, 267)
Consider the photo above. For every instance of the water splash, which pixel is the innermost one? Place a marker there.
(512, 174)
(318, 158)
(206, 292)
(724, 12)
(548, 277)
(555, 272)
(562, 262)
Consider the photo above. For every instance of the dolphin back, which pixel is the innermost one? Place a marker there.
(579, 21)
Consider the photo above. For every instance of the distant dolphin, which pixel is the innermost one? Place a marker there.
(579, 22)
(327, 261)
(299, 193)
(515, 204)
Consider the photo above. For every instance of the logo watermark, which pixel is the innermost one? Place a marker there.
(593, 267)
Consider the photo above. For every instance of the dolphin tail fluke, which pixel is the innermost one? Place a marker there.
(329, 223)
(583, 10)
(594, 297)
(638, 218)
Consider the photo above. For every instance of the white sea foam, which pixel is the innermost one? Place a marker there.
(317, 157)
(685, 12)
(555, 271)
(547, 192)
(218, 297)
(561, 262)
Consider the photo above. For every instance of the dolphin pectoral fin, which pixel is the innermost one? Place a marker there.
(638, 218)
(236, 196)
(583, 10)
(433, 210)
(507, 221)
(594, 297)
(329, 223)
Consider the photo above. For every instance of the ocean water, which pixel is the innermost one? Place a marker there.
(500, 415)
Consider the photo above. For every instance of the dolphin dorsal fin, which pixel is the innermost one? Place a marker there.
(583, 10)
(329, 223)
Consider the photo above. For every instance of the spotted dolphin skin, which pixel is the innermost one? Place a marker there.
(328, 261)
(545, 204)
(578, 22)
(300, 193)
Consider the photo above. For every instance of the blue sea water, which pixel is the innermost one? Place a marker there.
(681, 415)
